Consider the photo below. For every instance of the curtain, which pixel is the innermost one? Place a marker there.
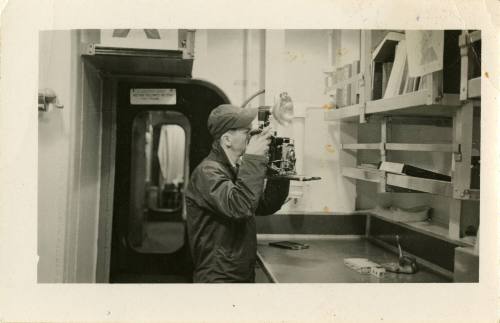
(171, 151)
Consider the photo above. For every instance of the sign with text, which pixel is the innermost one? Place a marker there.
(153, 96)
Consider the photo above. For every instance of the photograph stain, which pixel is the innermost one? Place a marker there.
(329, 148)
(328, 106)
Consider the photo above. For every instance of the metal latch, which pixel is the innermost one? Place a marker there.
(47, 99)
(457, 155)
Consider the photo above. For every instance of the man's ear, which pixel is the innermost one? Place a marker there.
(225, 140)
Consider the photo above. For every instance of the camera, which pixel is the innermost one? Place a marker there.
(281, 155)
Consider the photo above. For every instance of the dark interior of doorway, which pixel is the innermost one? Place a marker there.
(195, 100)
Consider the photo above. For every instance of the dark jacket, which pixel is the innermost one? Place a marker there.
(221, 206)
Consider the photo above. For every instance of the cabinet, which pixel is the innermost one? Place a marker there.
(451, 112)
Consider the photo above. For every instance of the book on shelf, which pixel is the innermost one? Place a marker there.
(412, 84)
(378, 81)
(383, 57)
(404, 78)
(397, 76)
(416, 84)
(423, 81)
(405, 169)
(386, 72)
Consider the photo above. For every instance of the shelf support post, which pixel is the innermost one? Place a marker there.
(454, 219)
(366, 70)
(461, 167)
(435, 87)
(382, 188)
(464, 61)
(383, 139)
(462, 136)
(348, 135)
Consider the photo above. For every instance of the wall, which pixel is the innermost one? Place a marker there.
(349, 50)
(54, 136)
(219, 60)
(306, 56)
(68, 162)
(297, 68)
(241, 62)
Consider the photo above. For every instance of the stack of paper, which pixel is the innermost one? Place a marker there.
(361, 265)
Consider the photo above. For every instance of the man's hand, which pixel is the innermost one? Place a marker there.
(259, 144)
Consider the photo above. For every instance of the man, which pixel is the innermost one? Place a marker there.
(225, 193)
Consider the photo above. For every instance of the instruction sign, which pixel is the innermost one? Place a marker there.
(153, 96)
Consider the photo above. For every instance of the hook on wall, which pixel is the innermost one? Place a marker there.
(47, 99)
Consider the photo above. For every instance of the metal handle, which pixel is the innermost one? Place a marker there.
(46, 99)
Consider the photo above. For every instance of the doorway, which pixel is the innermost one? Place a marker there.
(156, 148)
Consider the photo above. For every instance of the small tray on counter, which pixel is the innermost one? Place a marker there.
(289, 245)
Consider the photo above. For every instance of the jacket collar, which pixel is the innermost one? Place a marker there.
(218, 154)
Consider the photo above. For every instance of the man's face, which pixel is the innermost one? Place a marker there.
(238, 139)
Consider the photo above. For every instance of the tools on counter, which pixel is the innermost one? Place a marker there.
(289, 245)
(405, 264)
(365, 266)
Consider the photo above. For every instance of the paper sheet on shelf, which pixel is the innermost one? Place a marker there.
(425, 51)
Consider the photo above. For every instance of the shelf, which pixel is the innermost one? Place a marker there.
(404, 146)
(474, 88)
(346, 113)
(428, 106)
(422, 147)
(415, 103)
(410, 104)
(364, 174)
(420, 184)
(374, 146)
(424, 185)
(435, 230)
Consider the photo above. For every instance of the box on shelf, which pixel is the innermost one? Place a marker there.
(400, 168)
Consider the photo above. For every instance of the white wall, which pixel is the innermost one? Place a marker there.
(219, 60)
(349, 50)
(304, 56)
(53, 155)
(68, 163)
(294, 60)
(241, 62)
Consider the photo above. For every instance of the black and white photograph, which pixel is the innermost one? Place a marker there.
(234, 171)
(259, 156)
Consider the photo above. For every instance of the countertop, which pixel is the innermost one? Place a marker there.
(323, 261)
